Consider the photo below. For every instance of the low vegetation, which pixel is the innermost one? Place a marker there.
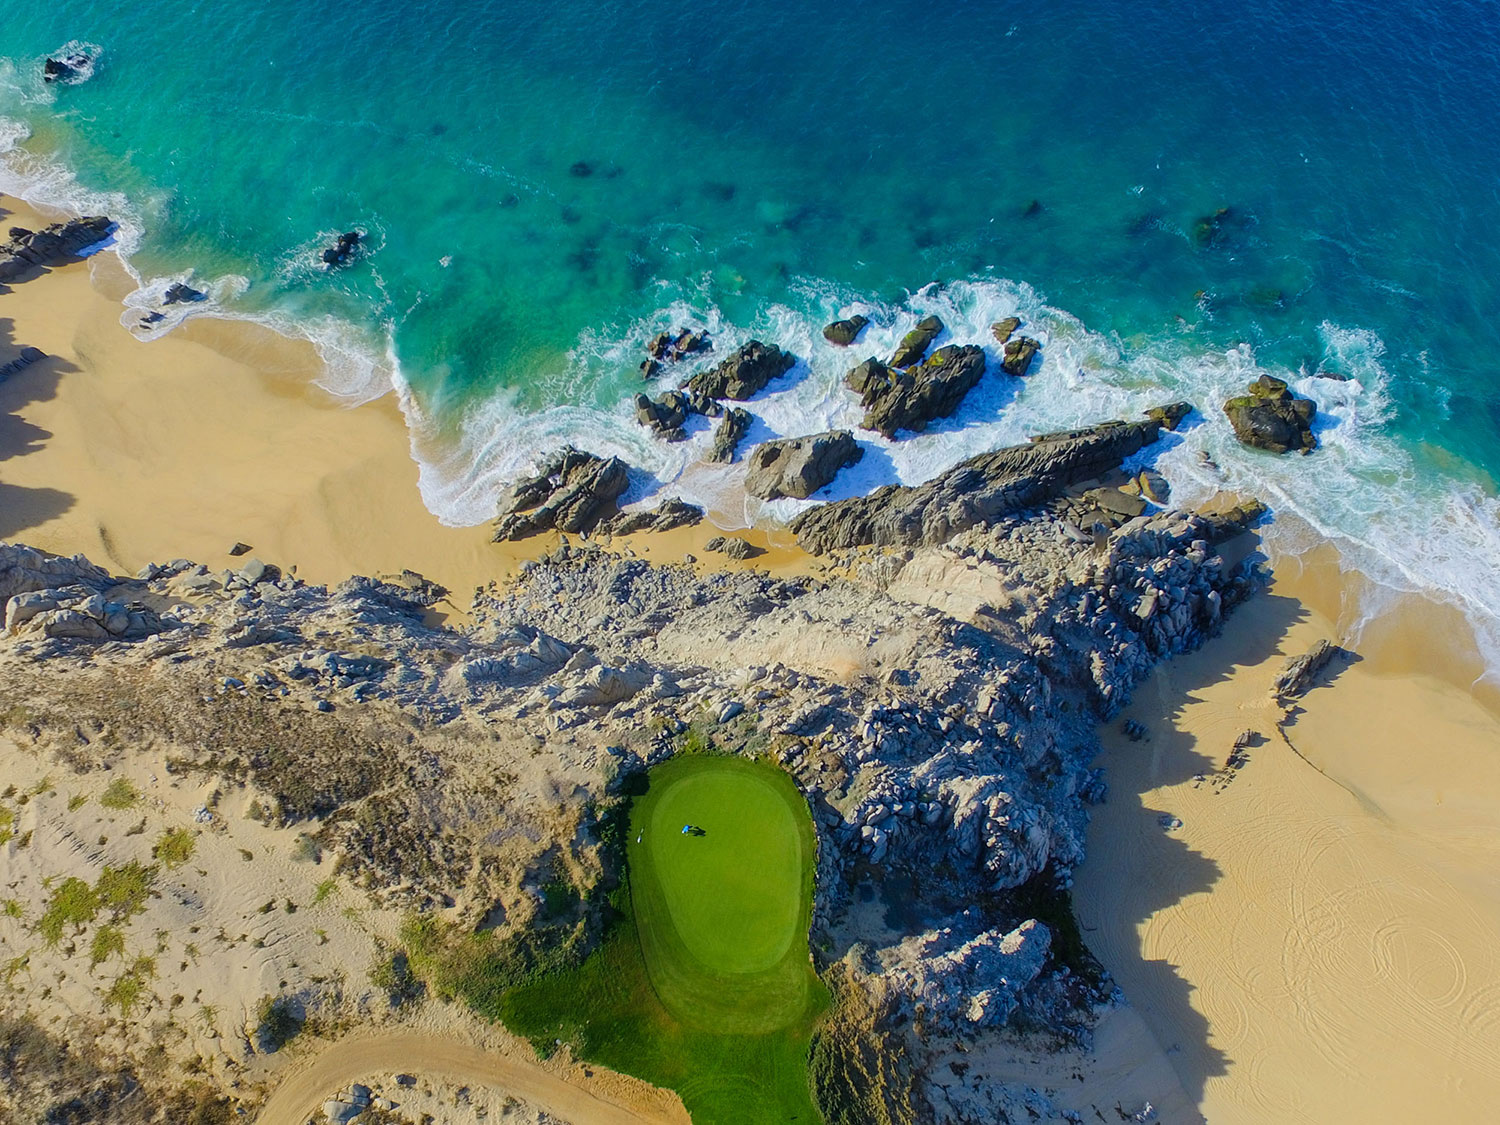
(278, 1022)
(119, 794)
(175, 847)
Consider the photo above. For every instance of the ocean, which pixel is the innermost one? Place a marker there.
(544, 186)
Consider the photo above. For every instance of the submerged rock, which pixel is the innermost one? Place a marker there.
(342, 252)
(977, 491)
(730, 432)
(915, 343)
(908, 400)
(572, 491)
(180, 292)
(845, 332)
(72, 69)
(1018, 355)
(799, 466)
(51, 245)
(743, 374)
(1271, 417)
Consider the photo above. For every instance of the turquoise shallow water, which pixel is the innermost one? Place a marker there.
(760, 169)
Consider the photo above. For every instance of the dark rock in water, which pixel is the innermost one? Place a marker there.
(799, 466)
(1018, 355)
(1209, 230)
(1297, 674)
(1033, 209)
(733, 547)
(1171, 415)
(572, 492)
(915, 343)
(744, 374)
(511, 200)
(180, 292)
(1004, 329)
(1271, 417)
(845, 332)
(581, 168)
(57, 70)
(666, 516)
(659, 346)
(689, 343)
(718, 189)
(51, 245)
(650, 368)
(977, 491)
(666, 415)
(27, 357)
(731, 431)
(908, 400)
(344, 250)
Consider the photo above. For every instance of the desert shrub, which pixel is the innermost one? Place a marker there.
(73, 903)
(278, 1022)
(175, 847)
(119, 794)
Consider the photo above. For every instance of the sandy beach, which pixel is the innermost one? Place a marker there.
(1319, 940)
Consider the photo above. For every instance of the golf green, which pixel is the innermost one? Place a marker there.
(722, 912)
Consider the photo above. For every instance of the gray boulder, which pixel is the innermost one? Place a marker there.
(730, 432)
(977, 491)
(908, 400)
(666, 516)
(845, 332)
(1018, 355)
(1171, 415)
(1003, 330)
(572, 492)
(1298, 673)
(664, 416)
(969, 983)
(744, 374)
(732, 546)
(915, 343)
(799, 466)
(1270, 417)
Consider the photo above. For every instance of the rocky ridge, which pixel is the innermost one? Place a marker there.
(28, 250)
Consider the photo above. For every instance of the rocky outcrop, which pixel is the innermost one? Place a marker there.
(915, 343)
(800, 466)
(908, 400)
(966, 983)
(70, 69)
(572, 492)
(665, 415)
(1299, 673)
(669, 515)
(1003, 330)
(672, 347)
(1270, 417)
(344, 251)
(732, 546)
(728, 435)
(27, 357)
(178, 291)
(743, 374)
(1018, 354)
(977, 491)
(1171, 415)
(51, 245)
(844, 332)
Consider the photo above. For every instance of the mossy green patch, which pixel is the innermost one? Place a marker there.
(705, 986)
(175, 847)
(119, 794)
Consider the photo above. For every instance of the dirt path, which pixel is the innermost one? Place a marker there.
(303, 1093)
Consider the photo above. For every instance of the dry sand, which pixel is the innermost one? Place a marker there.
(1319, 941)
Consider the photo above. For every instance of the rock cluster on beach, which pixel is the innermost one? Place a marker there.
(27, 250)
(800, 466)
(572, 491)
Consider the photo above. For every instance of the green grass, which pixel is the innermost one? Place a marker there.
(175, 847)
(119, 794)
(7, 824)
(324, 889)
(126, 992)
(73, 903)
(705, 986)
(109, 941)
(124, 890)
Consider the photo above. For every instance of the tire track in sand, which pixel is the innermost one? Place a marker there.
(302, 1093)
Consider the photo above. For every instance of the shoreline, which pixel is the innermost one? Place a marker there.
(225, 416)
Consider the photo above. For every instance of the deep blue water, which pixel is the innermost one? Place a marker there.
(761, 168)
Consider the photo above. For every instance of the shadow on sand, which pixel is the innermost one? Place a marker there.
(22, 507)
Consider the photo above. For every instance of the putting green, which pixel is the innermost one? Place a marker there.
(723, 916)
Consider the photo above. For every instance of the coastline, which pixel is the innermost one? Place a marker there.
(217, 434)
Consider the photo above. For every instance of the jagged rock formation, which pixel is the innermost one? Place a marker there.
(669, 515)
(27, 357)
(915, 343)
(27, 250)
(666, 415)
(1271, 417)
(1171, 415)
(1298, 673)
(962, 983)
(1003, 330)
(1018, 354)
(732, 546)
(743, 374)
(799, 466)
(907, 400)
(572, 491)
(979, 490)
(728, 435)
(844, 332)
